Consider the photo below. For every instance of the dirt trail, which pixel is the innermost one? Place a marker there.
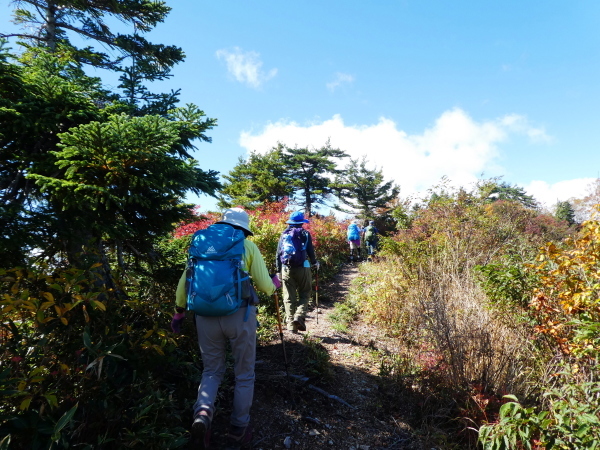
(308, 411)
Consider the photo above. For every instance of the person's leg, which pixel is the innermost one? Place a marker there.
(212, 345)
(289, 296)
(354, 248)
(242, 335)
(303, 278)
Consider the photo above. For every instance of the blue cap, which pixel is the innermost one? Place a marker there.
(297, 218)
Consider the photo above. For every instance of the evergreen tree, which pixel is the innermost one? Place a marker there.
(120, 181)
(364, 190)
(75, 169)
(258, 179)
(41, 96)
(506, 191)
(564, 211)
(49, 23)
(312, 173)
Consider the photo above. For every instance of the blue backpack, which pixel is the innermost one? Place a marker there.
(216, 284)
(353, 233)
(292, 251)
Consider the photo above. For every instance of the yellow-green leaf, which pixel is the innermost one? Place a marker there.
(51, 400)
(100, 305)
(159, 350)
(25, 404)
(46, 305)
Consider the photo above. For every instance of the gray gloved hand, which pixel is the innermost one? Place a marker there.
(317, 265)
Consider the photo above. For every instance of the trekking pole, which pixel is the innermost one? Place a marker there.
(317, 294)
(281, 335)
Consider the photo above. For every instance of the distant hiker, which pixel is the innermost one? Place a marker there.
(371, 238)
(216, 287)
(353, 235)
(295, 254)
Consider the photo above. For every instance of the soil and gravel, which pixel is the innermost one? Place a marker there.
(350, 408)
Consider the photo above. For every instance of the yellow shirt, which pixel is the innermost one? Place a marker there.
(252, 262)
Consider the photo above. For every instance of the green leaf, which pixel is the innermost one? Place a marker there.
(87, 341)
(62, 422)
(51, 400)
(5, 442)
(582, 431)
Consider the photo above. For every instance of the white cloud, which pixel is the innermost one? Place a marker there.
(340, 79)
(519, 124)
(550, 194)
(245, 66)
(456, 146)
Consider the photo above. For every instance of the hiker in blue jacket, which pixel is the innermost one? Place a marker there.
(353, 235)
(295, 271)
(239, 329)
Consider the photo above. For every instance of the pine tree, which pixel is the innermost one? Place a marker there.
(119, 181)
(364, 190)
(51, 23)
(43, 95)
(258, 179)
(312, 173)
(564, 211)
(506, 191)
(75, 169)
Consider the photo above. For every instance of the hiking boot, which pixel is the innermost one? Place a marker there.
(239, 437)
(201, 428)
(300, 324)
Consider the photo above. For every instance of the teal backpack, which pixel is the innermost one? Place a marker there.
(353, 232)
(216, 283)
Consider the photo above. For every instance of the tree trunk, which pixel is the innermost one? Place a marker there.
(51, 26)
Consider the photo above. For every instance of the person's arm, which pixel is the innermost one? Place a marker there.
(180, 305)
(180, 294)
(277, 260)
(256, 267)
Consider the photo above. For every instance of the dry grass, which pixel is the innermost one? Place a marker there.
(444, 317)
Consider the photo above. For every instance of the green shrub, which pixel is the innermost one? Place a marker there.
(569, 419)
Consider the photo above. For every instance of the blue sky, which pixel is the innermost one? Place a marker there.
(424, 89)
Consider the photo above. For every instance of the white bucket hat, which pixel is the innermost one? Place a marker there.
(237, 217)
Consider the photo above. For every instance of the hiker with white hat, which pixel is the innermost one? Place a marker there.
(216, 287)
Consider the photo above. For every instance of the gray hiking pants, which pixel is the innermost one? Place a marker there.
(213, 334)
(297, 287)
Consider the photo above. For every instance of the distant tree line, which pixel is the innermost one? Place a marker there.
(309, 178)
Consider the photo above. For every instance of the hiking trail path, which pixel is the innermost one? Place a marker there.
(349, 410)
